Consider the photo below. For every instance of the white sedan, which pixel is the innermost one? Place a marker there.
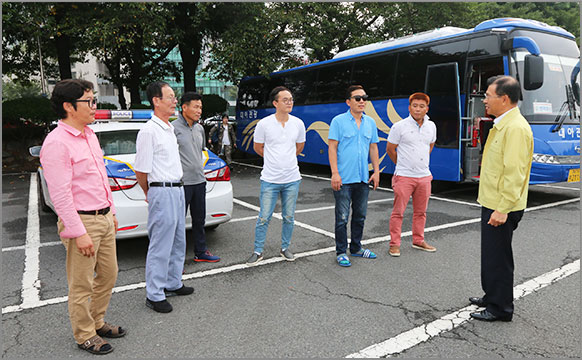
(117, 139)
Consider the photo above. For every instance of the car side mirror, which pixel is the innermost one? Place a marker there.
(533, 69)
(35, 150)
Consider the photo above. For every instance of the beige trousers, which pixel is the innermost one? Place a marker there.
(91, 279)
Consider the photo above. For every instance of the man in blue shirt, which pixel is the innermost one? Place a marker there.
(352, 137)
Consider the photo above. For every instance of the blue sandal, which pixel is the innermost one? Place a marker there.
(343, 260)
(365, 253)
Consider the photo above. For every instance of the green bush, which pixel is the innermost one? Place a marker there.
(29, 110)
(106, 106)
(140, 106)
(213, 105)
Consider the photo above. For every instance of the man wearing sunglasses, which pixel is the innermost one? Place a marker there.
(352, 137)
(409, 145)
(76, 177)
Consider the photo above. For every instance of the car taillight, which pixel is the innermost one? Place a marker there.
(222, 174)
(117, 184)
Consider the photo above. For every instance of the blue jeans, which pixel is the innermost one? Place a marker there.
(357, 195)
(268, 198)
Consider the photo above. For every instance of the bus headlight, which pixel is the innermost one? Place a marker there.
(556, 159)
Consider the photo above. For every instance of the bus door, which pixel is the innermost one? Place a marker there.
(442, 85)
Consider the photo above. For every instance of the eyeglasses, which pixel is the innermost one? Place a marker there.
(172, 98)
(90, 102)
(360, 97)
(492, 96)
(286, 101)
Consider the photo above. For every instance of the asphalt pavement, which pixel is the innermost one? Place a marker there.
(412, 306)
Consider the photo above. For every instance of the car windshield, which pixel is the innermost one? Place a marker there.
(543, 104)
(118, 142)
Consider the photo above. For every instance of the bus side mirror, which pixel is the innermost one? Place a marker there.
(533, 69)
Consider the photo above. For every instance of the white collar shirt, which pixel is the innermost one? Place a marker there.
(498, 119)
(413, 151)
(157, 152)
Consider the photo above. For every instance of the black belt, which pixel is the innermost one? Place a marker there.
(167, 184)
(103, 211)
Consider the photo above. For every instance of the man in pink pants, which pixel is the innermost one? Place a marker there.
(409, 145)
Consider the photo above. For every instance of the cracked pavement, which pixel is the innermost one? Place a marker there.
(311, 307)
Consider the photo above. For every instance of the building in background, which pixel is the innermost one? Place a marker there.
(93, 70)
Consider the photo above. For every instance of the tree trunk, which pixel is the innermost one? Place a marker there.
(134, 92)
(189, 63)
(63, 42)
(120, 95)
(64, 56)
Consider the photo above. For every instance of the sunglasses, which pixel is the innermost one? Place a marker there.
(360, 97)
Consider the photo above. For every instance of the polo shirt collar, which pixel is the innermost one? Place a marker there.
(160, 122)
(501, 120)
(410, 118)
(349, 113)
(71, 130)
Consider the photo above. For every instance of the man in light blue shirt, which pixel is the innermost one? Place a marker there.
(353, 137)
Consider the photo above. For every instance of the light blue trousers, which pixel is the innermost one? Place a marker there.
(268, 198)
(167, 233)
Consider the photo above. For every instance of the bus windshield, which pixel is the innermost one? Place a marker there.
(544, 104)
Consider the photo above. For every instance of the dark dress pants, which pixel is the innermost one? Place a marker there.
(196, 198)
(497, 263)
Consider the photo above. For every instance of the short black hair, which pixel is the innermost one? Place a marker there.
(68, 90)
(155, 90)
(189, 96)
(351, 89)
(506, 85)
(275, 92)
(225, 116)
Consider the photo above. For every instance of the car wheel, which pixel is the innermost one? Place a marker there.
(211, 228)
(43, 206)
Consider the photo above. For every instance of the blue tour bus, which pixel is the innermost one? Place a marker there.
(452, 66)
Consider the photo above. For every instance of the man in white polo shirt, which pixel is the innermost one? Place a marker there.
(409, 145)
(278, 138)
(159, 173)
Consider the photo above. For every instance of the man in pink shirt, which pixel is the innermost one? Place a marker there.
(75, 174)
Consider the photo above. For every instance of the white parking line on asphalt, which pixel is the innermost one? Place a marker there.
(425, 332)
(30, 281)
(227, 269)
(378, 188)
(558, 187)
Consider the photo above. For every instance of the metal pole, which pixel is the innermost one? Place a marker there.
(42, 84)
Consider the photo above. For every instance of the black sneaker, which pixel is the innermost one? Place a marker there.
(287, 255)
(254, 259)
(184, 290)
(162, 306)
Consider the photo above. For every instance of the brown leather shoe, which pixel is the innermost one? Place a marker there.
(394, 250)
(424, 246)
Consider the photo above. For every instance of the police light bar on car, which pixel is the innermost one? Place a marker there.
(127, 115)
(123, 114)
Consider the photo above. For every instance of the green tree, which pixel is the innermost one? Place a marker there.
(55, 30)
(14, 90)
(132, 41)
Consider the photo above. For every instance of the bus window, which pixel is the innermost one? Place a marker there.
(251, 95)
(332, 82)
(376, 75)
(302, 85)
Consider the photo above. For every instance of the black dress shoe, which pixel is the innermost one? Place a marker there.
(487, 316)
(184, 290)
(478, 301)
(162, 306)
